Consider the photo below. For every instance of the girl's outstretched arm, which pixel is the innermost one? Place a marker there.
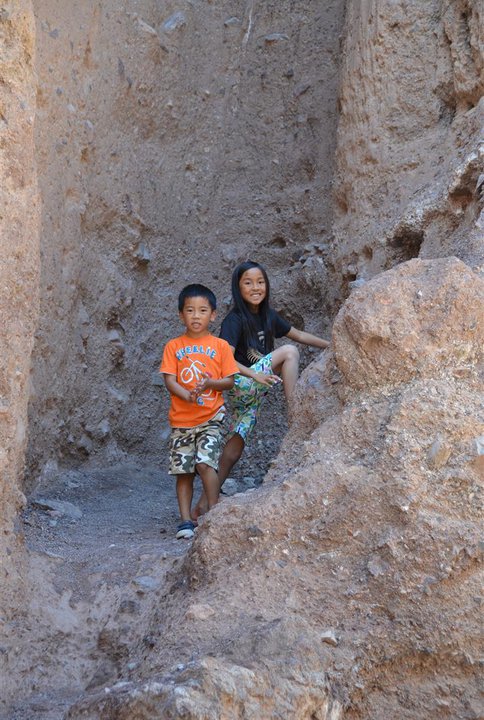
(306, 338)
(261, 378)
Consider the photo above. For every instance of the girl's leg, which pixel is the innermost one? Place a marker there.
(231, 453)
(285, 362)
(211, 485)
(184, 493)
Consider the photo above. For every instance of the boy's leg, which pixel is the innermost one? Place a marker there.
(209, 445)
(210, 482)
(184, 493)
(182, 466)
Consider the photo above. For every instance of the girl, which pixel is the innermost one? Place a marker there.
(250, 328)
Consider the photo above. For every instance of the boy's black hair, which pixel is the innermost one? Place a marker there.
(249, 327)
(196, 290)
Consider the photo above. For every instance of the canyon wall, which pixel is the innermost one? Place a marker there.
(19, 281)
(168, 142)
(173, 140)
(410, 137)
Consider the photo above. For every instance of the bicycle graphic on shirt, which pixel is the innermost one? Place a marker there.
(195, 372)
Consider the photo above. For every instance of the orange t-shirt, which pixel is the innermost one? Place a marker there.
(188, 358)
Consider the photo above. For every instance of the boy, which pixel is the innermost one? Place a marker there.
(196, 368)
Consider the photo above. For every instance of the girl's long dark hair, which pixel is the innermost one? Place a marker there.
(249, 327)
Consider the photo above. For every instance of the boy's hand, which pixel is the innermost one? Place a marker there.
(202, 384)
(267, 380)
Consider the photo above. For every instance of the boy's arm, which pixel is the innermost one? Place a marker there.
(209, 383)
(176, 389)
(307, 338)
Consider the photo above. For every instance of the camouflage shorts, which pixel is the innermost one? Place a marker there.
(190, 446)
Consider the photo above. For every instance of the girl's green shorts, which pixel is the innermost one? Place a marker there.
(246, 398)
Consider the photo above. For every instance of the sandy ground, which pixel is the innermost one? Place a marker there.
(115, 556)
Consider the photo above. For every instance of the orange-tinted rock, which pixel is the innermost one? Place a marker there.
(421, 319)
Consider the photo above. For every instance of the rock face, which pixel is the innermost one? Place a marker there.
(349, 584)
(19, 271)
(390, 321)
(410, 153)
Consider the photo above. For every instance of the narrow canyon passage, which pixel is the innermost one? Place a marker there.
(144, 147)
(172, 142)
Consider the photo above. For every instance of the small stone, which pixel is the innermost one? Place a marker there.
(103, 429)
(174, 22)
(146, 28)
(229, 487)
(115, 337)
(439, 453)
(478, 452)
(129, 607)
(301, 88)
(329, 637)
(142, 254)
(165, 433)
(99, 431)
(85, 444)
(146, 582)
(232, 21)
(199, 611)
(275, 37)
(359, 282)
(59, 506)
(377, 567)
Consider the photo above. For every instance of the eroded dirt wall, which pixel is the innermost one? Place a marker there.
(174, 140)
(410, 152)
(18, 277)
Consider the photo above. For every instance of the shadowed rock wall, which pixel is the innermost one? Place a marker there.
(173, 141)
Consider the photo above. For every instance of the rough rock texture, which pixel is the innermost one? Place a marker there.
(174, 139)
(349, 585)
(178, 138)
(19, 268)
(410, 151)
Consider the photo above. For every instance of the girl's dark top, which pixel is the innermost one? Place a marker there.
(231, 331)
